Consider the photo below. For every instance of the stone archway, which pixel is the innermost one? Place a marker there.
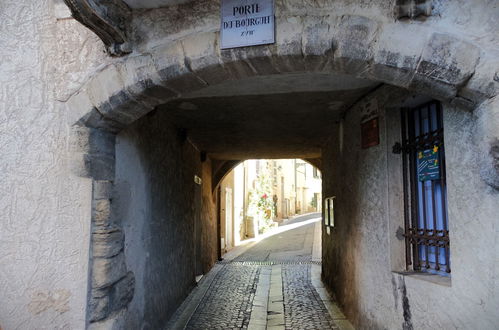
(440, 65)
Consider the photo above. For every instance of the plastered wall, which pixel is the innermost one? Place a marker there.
(165, 216)
(363, 255)
(44, 208)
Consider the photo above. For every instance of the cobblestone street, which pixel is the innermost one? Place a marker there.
(270, 284)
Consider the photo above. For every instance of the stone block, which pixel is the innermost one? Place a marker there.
(487, 139)
(446, 63)
(95, 119)
(99, 166)
(78, 106)
(102, 189)
(317, 43)
(143, 82)
(484, 83)
(288, 56)
(353, 38)
(107, 242)
(104, 84)
(98, 307)
(169, 61)
(107, 271)
(122, 108)
(115, 321)
(393, 64)
(101, 213)
(121, 293)
(108, 94)
(203, 58)
(260, 58)
(238, 67)
(91, 140)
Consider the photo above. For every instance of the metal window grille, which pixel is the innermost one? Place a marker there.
(425, 193)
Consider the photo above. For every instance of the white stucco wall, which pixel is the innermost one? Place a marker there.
(44, 209)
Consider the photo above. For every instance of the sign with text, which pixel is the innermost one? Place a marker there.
(428, 165)
(247, 23)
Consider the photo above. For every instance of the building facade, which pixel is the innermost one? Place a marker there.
(119, 119)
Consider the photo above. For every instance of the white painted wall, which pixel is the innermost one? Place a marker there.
(44, 209)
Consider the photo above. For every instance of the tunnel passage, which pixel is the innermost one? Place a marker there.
(169, 219)
(169, 163)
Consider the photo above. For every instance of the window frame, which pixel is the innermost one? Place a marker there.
(426, 240)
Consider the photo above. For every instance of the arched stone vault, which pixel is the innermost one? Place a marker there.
(444, 66)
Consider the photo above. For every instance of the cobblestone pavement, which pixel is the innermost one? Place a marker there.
(303, 307)
(266, 287)
(227, 304)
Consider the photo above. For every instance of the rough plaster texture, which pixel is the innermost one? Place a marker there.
(159, 205)
(45, 209)
(362, 251)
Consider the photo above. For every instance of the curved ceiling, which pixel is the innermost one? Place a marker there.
(280, 116)
(284, 83)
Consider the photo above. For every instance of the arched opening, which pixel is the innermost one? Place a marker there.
(179, 127)
(259, 195)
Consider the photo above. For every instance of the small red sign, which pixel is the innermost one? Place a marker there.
(370, 133)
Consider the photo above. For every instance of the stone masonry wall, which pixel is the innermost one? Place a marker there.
(158, 205)
(364, 254)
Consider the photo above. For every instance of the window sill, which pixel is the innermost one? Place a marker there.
(428, 277)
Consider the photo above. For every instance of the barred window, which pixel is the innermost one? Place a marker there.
(425, 193)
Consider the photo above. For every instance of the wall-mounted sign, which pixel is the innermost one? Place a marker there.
(247, 23)
(428, 164)
(369, 133)
(329, 211)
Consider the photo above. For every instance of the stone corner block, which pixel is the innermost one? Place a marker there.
(107, 271)
(103, 189)
(353, 39)
(91, 140)
(487, 139)
(104, 83)
(107, 242)
(203, 57)
(170, 63)
(446, 63)
(101, 214)
(98, 304)
(100, 166)
(143, 82)
(394, 64)
(484, 83)
(78, 106)
(116, 321)
(110, 96)
(122, 292)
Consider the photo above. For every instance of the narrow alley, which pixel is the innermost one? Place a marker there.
(273, 283)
